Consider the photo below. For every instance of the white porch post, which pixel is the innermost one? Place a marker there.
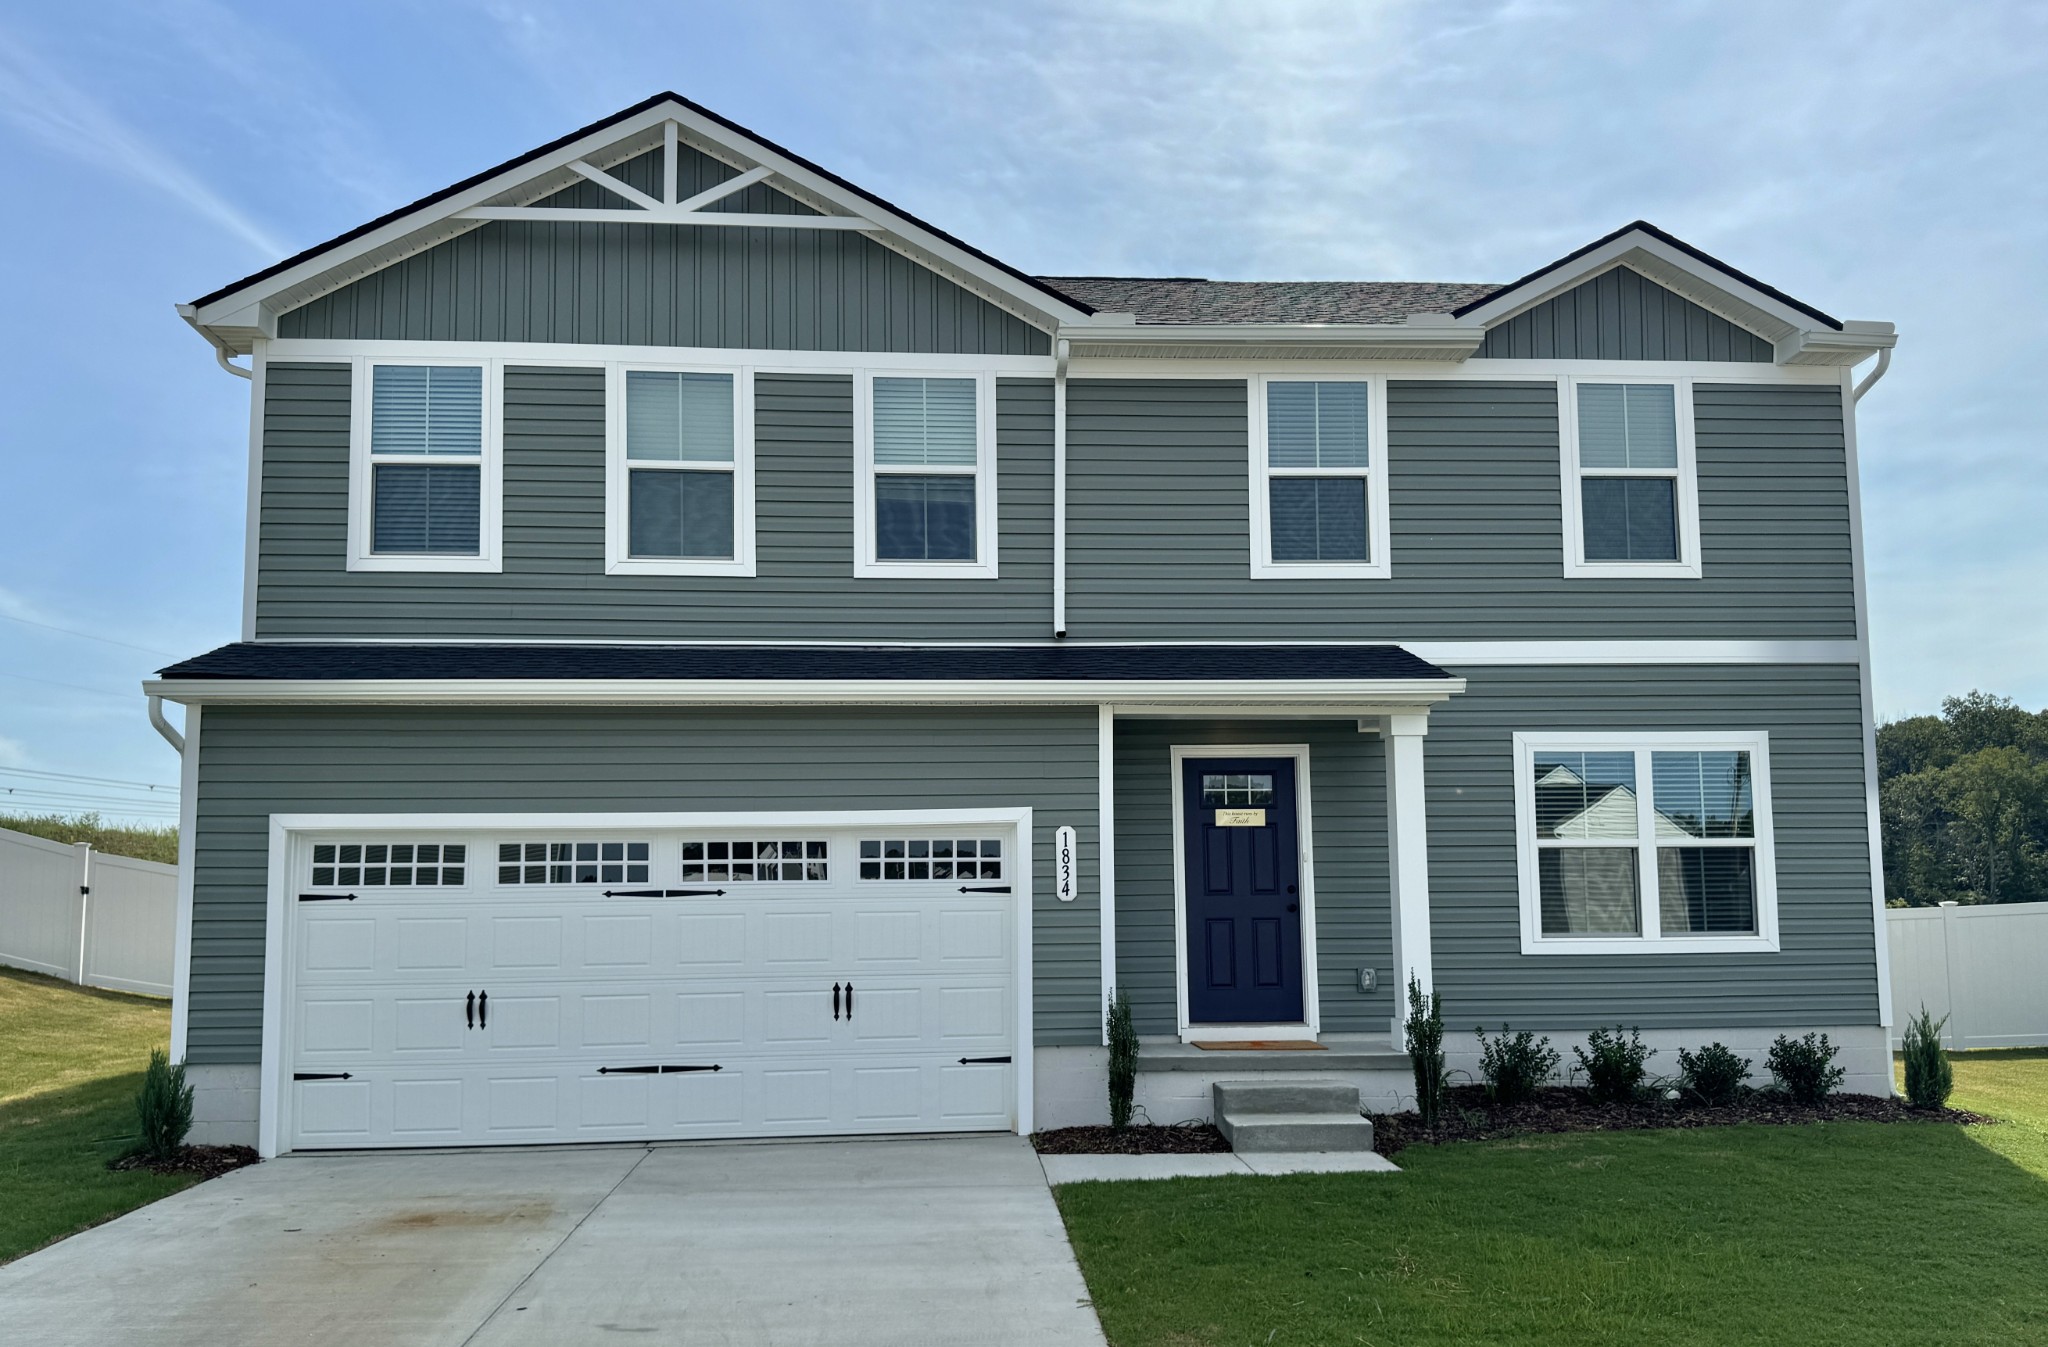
(1105, 849)
(1407, 857)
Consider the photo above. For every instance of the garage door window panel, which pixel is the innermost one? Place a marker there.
(389, 864)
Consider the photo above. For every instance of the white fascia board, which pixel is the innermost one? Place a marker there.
(804, 692)
(1445, 340)
(1854, 344)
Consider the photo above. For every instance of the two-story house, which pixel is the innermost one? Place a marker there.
(723, 657)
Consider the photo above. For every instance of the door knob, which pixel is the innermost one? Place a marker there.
(1294, 907)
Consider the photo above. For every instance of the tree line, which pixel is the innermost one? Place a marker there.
(1963, 803)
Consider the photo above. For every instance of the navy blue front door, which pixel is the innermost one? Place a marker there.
(1243, 872)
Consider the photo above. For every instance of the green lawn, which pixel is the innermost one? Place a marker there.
(1849, 1233)
(69, 1070)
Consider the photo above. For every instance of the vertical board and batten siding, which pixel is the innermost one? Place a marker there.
(667, 285)
(554, 584)
(1347, 798)
(1825, 971)
(258, 761)
(1159, 521)
(1620, 315)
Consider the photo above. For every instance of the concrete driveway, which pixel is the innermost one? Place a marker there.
(839, 1243)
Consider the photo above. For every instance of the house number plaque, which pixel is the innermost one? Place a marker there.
(1066, 878)
(1240, 818)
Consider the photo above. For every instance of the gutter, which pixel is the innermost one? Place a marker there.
(1422, 336)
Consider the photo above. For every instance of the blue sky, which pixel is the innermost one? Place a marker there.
(1880, 160)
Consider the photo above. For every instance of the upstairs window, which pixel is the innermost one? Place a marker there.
(1650, 841)
(426, 467)
(1631, 503)
(680, 490)
(927, 500)
(1318, 479)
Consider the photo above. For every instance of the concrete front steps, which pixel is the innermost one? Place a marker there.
(1267, 1116)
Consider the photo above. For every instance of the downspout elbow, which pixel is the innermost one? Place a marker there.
(1884, 362)
(220, 354)
(163, 726)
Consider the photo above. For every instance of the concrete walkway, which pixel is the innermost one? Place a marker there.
(840, 1243)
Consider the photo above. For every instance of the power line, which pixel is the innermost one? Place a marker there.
(75, 687)
(87, 780)
(19, 793)
(88, 636)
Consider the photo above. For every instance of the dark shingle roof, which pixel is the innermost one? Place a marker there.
(1189, 299)
(248, 660)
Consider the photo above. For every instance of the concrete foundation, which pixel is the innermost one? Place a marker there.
(225, 1101)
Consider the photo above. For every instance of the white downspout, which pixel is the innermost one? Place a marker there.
(1884, 362)
(1061, 349)
(163, 726)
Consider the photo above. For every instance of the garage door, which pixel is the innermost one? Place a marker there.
(524, 987)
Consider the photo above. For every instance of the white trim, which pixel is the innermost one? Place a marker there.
(1310, 1025)
(1059, 489)
(252, 520)
(285, 830)
(1685, 475)
(618, 559)
(1401, 741)
(578, 354)
(1533, 371)
(1646, 843)
(188, 850)
(665, 216)
(1358, 696)
(490, 553)
(865, 471)
(1379, 542)
(1105, 851)
(1881, 939)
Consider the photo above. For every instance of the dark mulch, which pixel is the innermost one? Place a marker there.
(1179, 1139)
(208, 1162)
(1561, 1110)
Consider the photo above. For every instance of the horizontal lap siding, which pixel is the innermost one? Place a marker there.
(1347, 788)
(667, 285)
(1825, 972)
(255, 762)
(1621, 316)
(1159, 521)
(554, 583)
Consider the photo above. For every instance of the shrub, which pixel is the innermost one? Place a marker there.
(1425, 1030)
(1514, 1064)
(1714, 1073)
(1123, 1060)
(1803, 1067)
(164, 1108)
(1614, 1067)
(1929, 1077)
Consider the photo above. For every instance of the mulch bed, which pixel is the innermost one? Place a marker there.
(1179, 1139)
(208, 1162)
(1466, 1117)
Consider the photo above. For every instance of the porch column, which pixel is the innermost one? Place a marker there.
(1105, 850)
(1407, 857)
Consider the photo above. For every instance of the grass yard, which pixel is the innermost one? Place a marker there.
(1849, 1233)
(72, 1063)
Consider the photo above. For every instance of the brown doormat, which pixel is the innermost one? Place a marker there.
(1264, 1045)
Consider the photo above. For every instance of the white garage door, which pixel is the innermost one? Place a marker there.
(500, 987)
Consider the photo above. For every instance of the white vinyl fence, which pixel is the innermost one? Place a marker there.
(85, 916)
(1985, 967)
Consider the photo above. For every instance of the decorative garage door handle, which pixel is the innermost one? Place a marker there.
(469, 1012)
(849, 1003)
(835, 1002)
(483, 1009)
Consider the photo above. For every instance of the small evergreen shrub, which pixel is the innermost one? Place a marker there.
(1514, 1064)
(1804, 1067)
(164, 1108)
(1714, 1073)
(1929, 1077)
(1614, 1065)
(1425, 1030)
(1123, 1060)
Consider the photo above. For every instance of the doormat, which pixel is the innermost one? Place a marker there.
(1264, 1045)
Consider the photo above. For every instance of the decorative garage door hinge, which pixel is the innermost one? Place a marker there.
(327, 897)
(661, 1070)
(985, 888)
(982, 1061)
(664, 893)
(321, 1075)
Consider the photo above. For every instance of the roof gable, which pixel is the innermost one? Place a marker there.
(1620, 315)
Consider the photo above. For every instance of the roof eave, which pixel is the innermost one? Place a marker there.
(1419, 337)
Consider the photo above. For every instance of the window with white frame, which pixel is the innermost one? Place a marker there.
(426, 466)
(1631, 496)
(1318, 478)
(927, 498)
(680, 472)
(1638, 841)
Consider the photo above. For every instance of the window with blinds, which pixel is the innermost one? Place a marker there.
(426, 460)
(926, 465)
(681, 465)
(1318, 474)
(1628, 471)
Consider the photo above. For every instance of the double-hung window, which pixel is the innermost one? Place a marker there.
(927, 490)
(1631, 501)
(1645, 842)
(680, 468)
(425, 466)
(1318, 478)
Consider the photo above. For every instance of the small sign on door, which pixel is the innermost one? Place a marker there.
(1240, 818)
(1065, 866)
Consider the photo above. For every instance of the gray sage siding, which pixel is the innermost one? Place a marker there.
(1347, 791)
(258, 761)
(667, 285)
(1159, 521)
(1619, 315)
(554, 585)
(1825, 972)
